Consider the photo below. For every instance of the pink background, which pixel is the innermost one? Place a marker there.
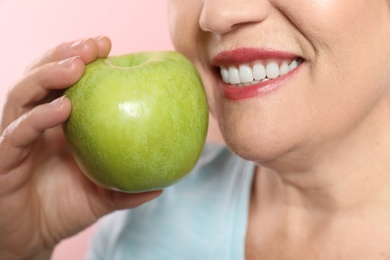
(30, 27)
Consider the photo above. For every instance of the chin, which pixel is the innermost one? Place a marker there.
(256, 147)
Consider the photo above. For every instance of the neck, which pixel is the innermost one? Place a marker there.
(348, 174)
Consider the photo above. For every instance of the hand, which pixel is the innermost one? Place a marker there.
(44, 197)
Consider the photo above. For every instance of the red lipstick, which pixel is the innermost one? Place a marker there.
(247, 55)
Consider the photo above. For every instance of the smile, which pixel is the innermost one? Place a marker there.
(257, 71)
(248, 72)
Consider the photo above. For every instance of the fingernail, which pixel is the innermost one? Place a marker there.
(57, 102)
(68, 61)
(78, 44)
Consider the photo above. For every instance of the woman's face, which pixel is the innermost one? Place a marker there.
(295, 73)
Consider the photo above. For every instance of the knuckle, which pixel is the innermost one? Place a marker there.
(5, 136)
(54, 52)
(38, 76)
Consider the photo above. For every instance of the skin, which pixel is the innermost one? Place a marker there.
(322, 140)
(44, 197)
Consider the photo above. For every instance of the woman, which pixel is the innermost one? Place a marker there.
(301, 93)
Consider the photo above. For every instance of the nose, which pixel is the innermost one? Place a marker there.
(222, 16)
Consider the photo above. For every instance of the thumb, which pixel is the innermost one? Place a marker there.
(111, 200)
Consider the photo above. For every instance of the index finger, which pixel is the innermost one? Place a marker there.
(87, 49)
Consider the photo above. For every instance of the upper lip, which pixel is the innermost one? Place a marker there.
(246, 55)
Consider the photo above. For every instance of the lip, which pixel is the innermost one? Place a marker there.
(247, 55)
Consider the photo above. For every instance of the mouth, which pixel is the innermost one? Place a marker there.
(247, 73)
(258, 71)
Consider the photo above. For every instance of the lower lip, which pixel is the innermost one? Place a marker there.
(235, 93)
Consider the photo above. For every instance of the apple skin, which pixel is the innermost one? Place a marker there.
(139, 121)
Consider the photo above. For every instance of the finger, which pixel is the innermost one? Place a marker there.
(52, 76)
(88, 49)
(38, 84)
(17, 138)
(104, 46)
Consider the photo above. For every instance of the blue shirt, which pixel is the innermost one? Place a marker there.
(202, 217)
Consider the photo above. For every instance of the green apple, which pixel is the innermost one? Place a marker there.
(139, 121)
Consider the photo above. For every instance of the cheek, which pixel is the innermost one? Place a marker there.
(316, 17)
(184, 25)
(210, 85)
(350, 41)
(188, 39)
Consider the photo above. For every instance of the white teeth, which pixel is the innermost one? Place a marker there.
(234, 77)
(245, 74)
(259, 71)
(272, 70)
(225, 75)
(293, 65)
(284, 69)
